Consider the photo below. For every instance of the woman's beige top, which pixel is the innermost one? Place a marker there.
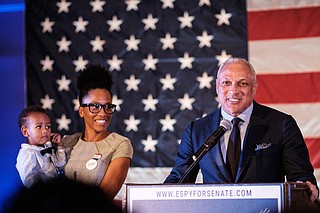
(89, 161)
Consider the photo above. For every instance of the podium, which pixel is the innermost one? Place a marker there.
(224, 198)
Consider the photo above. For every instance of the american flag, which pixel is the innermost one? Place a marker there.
(163, 56)
(284, 45)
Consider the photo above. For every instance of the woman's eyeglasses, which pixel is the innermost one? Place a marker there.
(96, 107)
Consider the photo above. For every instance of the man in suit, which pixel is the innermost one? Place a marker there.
(271, 147)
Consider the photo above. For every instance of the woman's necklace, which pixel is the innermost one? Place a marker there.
(93, 162)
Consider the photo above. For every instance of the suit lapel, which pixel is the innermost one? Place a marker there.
(254, 134)
(217, 156)
(216, 151)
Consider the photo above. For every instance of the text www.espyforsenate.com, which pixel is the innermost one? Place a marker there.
(203, 193)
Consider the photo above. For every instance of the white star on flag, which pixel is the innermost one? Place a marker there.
(47, 102)
(132, 123)
(150, 62)
(114, 24)
(63, 44)
(204, 39)
(150, 103)
(117, 101)
(63, 122)
(80, 25)
(47, 64)
(150, 22)
(167, 82)
(63, 83)
(97, 44)
(204, 2)
(186, 61)
(167, 4)
(132, 83)
(132, 43)
(97, 5)
(47, 25)
(167, 123)
(223, 57)
(168, 42)
(80, 63)
(186, 20)
(149, 144)
(114, 63)
(205, 80)
(63, 6)
(223, 17)
(186, 102)
(132, 4)
(76, 104)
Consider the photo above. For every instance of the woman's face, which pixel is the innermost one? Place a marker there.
(96, 122)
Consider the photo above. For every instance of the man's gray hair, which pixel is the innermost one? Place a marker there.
(234, 59)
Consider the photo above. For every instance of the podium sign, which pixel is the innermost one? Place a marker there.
(203, 198)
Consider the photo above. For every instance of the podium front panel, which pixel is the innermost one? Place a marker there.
(203, 198)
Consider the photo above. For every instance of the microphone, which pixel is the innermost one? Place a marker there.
(225, 125)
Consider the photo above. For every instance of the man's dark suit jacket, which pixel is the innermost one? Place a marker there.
(273, 148)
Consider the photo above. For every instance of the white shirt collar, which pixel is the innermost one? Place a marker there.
(245, 116)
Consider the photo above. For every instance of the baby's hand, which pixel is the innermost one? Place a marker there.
(56, 138)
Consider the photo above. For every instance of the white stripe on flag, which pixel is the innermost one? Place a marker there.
(285, 55)
(308, 123)
(258, 5)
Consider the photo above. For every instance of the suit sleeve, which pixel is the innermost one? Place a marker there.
(296, 161)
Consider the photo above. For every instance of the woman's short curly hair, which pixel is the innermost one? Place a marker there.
(93, 77)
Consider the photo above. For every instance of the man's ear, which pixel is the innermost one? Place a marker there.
(255, 87)
(24, 131)
(217, 86)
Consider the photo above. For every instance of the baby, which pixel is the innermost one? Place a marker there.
(42, 157)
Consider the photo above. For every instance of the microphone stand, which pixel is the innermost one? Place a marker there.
(198, 156)
(225, 125)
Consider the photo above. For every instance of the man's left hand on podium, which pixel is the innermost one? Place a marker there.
(314, 191)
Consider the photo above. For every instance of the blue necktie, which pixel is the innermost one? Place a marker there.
(234, 148)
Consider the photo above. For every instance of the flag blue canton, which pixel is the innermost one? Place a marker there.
(162, 55)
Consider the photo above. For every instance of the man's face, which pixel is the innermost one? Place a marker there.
(235, 87)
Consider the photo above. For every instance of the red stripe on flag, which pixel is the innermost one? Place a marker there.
(313, 145)
(291, 88)
(288, 88)
(279, 24)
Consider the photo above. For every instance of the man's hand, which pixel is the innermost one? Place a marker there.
(314, 191)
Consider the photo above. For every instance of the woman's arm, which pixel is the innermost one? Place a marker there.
(115, 176)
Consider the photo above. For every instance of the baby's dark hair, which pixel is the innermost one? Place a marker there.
(93, 77)
(25, 113)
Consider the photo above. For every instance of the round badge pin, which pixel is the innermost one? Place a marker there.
(91, 164)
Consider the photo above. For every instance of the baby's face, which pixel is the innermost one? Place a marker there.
(37, 128)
